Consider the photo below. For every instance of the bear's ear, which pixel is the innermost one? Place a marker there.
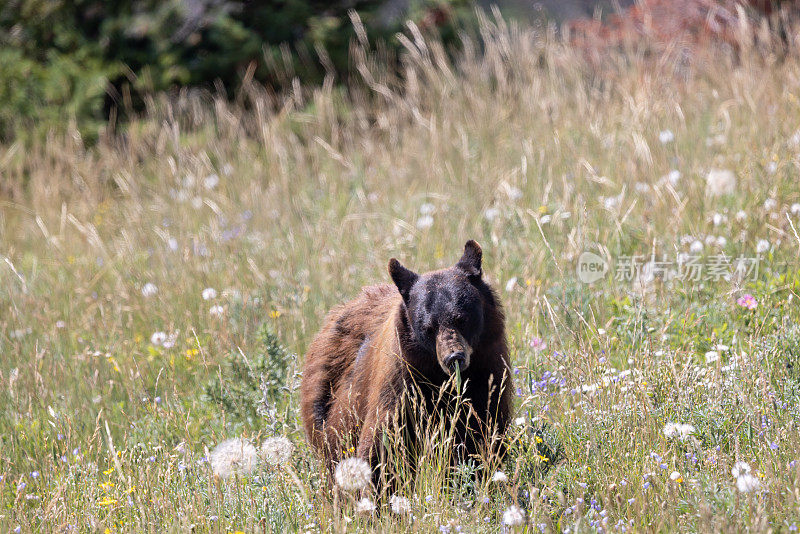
(403, 278)
(470, 262)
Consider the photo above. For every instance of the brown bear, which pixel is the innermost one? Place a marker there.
(412, 336)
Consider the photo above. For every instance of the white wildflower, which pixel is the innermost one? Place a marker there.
(158, 338)
(233, 456)
(671, 430)
(211, 181)
(741, 215)
(365, 506)
(675, 476)
(424, 222)
(149, 289)
(712, 356)
(770, 204)
(673, 177)
(209, 293)
(722, 241)
(795, 209)
(514, 193)
(666, 136)
(172, 338)
(740, 468)
(772, 167)
(427, 208)
(611, 203)
(720, 182)
(762, 246)
(680, 431)
(352, 474)
(499, 476)
(513, 516)
(696, 247)
(216, 310)
(718, 219)
(686, 430)
(747, 483)
(277, 450)
(491, 213)
(511, 284)
(400, 505)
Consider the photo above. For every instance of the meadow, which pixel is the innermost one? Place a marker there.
(158, 290)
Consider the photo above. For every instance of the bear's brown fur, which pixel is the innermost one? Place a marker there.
(392, 339)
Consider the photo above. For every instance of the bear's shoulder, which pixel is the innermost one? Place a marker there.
(379, 292)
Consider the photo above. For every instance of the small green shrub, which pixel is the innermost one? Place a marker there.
(246, 388)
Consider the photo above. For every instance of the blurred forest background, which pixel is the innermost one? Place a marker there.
(83, 62)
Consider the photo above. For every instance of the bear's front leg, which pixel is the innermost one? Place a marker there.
(372, 438)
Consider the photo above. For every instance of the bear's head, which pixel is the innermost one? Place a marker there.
(446, 309)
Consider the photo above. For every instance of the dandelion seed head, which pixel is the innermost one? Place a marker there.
(720, 182)
(158, 338)
(352, 474)
(400, 505)
(233, 456)
(211, 181)
(277, 450)
(427, 208)
(217, 310)
(511, 284)
(499, 476)
(209, 293)
(425, 222)
(747, 483)
(673, 177)
(149, 289)
(739, 469)
(671, 430)
(513, 516)
(491, 214)
(365, 506)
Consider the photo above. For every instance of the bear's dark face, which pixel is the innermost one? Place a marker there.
(445, 308)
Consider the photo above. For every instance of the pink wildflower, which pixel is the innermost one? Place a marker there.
(747, 301)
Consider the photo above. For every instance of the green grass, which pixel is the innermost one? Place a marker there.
(527, 149)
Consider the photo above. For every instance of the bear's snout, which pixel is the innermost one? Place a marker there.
(452, 350)
(456, 359)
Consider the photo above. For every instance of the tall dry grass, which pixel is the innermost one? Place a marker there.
(287, 204)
